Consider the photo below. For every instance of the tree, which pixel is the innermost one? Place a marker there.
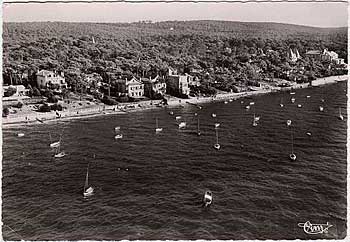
(5, 112)
(10, 92)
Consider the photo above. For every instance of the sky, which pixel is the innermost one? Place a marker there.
(310, 14)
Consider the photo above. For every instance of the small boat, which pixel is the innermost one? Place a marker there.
(256, 118)
(225, 102)
(292, 93)
(242, 102)
(289, 122)
(292, 100)
(292, 156)
(177, 117)
(58, 152)
(217, 125)
(157, 128)
(247, 107)
(182, 125)
(88, 190)
(213, 115)
(231, 100)
(322, 100)
(117, 129)
(60, 155)
(217, 145)
(251, 103)
(207, 199)
(171, 113)
(299, 106)
(308, 133)
(308, 96)
(341, 117)
(281, 105)
(118, 136)
(20, 134)
(55, 144)
(321, 108)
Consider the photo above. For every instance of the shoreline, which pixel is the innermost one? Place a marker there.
(101, 110)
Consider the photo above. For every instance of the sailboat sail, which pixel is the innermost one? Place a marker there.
(86, 179)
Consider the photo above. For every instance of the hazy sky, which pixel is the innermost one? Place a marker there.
(312, 14)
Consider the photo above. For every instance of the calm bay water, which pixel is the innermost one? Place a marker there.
(150, 186)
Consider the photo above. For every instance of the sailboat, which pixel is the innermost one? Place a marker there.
(208, 198)
(341, 117)
(292, 156)
(198, 130)
(59, 153)
(289, 122)
(292, 99)
(281, 104)
(217, 145)
(255, 120)
(20, 134)
(88, 190)
(321, 108)
(54, 144)
(182, 125)
(157, 128)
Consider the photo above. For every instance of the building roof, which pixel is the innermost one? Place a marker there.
(313, 52)
(134, 81)
(46, 73)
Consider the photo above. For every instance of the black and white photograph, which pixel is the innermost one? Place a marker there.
(174, 121)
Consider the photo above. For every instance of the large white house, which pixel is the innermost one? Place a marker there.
(46, 79)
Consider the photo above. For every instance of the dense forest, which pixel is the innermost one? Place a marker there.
(225, 55)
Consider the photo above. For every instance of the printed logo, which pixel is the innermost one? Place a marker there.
(310, 228)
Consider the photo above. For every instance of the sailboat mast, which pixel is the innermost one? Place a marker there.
(197, 123)
(217, 136)
(292, 140)
(87, 178)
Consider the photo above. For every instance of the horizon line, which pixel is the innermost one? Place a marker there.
(162, 21)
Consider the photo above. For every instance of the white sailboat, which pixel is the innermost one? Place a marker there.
(217, 145)
(208, 198)
(59, 153)
(213, 115)
(292, 99)
(321, 108)
(216, 125)
(289, 122)
(341, 117)
(292, 156)
(157, 128)
(88, 190)
(182, 125)
(54, 144)
(255, 120)
(281, 103)
(117, 129)
(118, 136)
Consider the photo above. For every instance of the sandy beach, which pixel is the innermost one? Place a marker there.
(84, 109)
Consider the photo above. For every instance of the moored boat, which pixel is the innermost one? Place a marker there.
(182, 125)
(208, 198)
